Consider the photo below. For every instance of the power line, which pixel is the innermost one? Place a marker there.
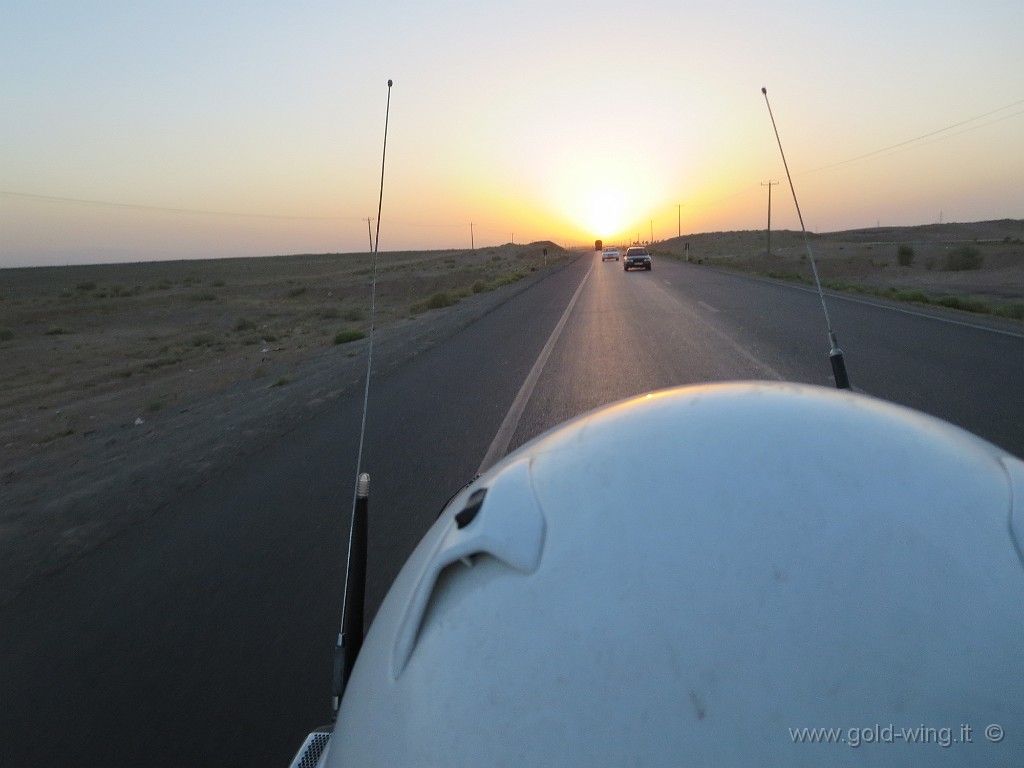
(936, 135)
(165, 209)
(928, 135)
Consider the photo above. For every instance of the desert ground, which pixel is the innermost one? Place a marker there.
(975, 267)
(124, 385)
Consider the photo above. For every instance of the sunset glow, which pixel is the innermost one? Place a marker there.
(131, 134)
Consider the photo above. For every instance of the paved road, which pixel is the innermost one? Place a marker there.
(204, 636)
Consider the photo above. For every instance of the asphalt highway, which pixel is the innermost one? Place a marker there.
(204, 635)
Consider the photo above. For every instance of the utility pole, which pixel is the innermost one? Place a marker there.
(769, 184)
(679, 219)
(652, 230)
(472, 243)
(370, 231)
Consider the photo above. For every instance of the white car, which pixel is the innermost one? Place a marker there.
(610, 254)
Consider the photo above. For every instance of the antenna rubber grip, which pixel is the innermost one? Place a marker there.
(839, 369)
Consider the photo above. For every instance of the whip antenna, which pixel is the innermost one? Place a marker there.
(836, 354)
(350, 639)
(373, 301)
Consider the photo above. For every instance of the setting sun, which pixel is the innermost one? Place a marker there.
(604, 210)
(604, 196)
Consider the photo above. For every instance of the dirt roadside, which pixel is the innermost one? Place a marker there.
(976, 267)
(124, 386)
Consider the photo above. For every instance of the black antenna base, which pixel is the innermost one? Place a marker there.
(839, 368)
(350, 639)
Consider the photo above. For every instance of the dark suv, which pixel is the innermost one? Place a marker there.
(637, 256)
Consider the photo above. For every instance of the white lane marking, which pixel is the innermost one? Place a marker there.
(499, 446)
(666, 282)
(708, 307)
(750, 357)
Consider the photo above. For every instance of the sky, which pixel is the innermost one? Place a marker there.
(138, 130)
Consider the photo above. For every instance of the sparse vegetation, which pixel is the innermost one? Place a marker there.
(508, 279)
(962, 259)
(1014, 311)
(790, 276)
(439, 300)
(170, 344)
(913, 296)
(845, 262)
(347, 335)
(965, 304)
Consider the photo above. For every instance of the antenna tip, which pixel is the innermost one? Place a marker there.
(763, 90)
(389, 83)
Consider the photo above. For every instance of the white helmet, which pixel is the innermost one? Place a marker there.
(745, 574)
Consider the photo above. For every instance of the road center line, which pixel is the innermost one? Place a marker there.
(739, 349)
(499, 446)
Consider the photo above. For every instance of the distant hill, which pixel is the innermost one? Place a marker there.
(999, 229)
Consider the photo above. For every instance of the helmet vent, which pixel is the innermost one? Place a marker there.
(1015, 474)
(503, 521)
